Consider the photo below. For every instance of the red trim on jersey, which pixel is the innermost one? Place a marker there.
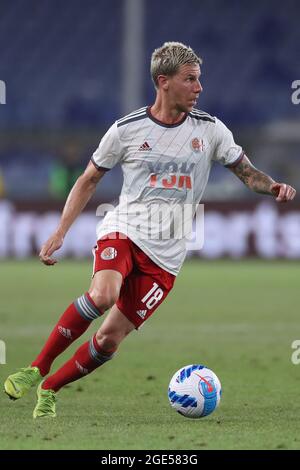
(163, 124)
(99, 167)
(236, 162)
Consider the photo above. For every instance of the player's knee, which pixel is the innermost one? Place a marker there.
(108, 341)
(105, 298)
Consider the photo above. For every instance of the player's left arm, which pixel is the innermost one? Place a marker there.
(259, 182)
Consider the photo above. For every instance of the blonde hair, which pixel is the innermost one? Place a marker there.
(167, 59)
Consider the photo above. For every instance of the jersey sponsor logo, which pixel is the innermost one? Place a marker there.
(197, 145)
(145, 146)
(181, 181)
(179, 175)
(141, 313)
(171, 167)
(65, 332)
(109, 253)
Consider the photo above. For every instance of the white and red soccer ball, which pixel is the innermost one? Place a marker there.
(194, 391)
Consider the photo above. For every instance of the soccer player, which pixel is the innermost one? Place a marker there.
(166, 151)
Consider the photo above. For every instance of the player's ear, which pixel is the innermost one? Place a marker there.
(163, 82)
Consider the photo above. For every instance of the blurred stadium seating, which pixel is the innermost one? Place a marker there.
(62, 62)
(58, 61)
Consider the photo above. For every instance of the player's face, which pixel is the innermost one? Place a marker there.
(184, 87)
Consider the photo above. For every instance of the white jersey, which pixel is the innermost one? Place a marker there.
(165, 168)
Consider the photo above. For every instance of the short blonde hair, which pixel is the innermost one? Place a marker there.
(167, 59)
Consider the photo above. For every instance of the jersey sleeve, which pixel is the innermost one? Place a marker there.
(227, 152)
(109, 152)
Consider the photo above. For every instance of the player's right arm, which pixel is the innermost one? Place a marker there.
(79, 196)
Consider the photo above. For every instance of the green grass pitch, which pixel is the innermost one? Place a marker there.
(238, 318)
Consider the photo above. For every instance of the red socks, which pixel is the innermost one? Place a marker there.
(72, 324)
(86, 359)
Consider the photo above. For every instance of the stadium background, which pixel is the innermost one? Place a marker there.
(70, 70)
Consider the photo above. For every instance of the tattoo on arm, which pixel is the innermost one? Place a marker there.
(255, 179)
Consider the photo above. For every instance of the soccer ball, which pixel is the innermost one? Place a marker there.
(194, 391)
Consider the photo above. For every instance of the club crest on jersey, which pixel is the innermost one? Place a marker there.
(197, 145)
(109, 253)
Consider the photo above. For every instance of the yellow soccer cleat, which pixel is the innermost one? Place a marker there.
(18, 384)
(45, 406)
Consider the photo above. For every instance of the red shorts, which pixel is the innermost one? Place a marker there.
(145, 284)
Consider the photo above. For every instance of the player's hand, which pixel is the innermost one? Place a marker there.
(283, 192)
(51, 245)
